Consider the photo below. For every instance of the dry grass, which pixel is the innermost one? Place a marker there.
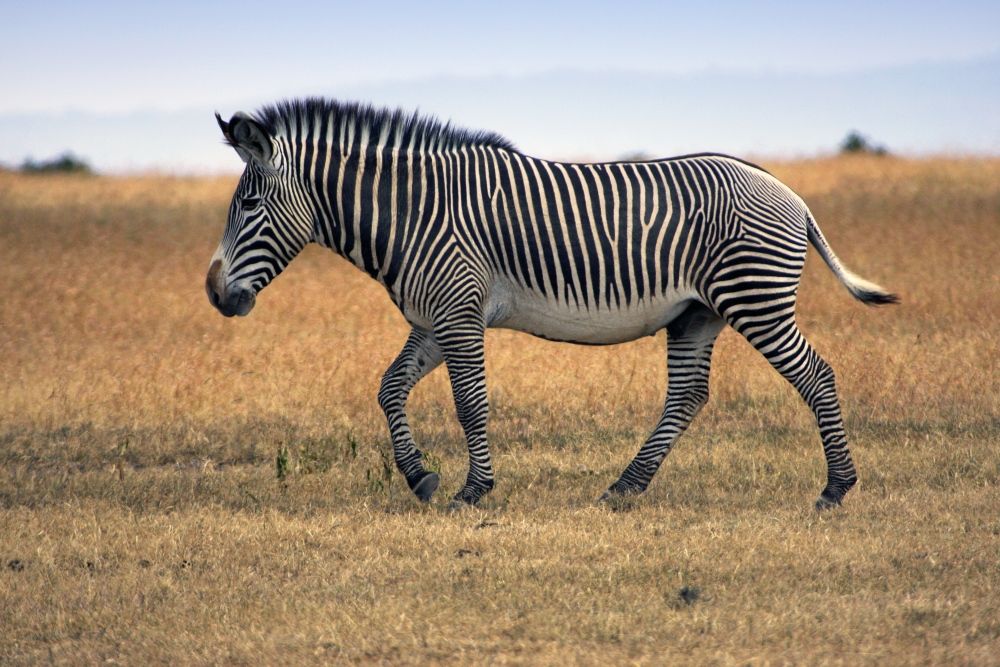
(194, 553)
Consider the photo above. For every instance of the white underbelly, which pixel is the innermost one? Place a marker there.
(510, 307)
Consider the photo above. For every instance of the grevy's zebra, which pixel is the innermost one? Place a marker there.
(466, 233)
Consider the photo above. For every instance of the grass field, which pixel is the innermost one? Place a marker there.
(142, 521)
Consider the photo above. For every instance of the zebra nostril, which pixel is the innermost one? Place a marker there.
(216, 299)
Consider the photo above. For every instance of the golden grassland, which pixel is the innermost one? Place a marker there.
(184, 547)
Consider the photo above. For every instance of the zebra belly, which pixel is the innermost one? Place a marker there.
(509, 307)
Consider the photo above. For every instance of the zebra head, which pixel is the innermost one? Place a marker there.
(270, 219)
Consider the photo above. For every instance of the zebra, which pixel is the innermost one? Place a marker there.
(465, 233)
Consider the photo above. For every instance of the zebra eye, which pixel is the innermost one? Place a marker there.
(250, 203)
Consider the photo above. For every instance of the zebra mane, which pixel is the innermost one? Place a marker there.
(401, 127)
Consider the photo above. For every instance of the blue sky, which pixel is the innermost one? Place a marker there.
(71, 72)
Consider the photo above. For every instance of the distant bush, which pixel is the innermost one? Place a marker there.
(67, 163)
(635, 156)
(856, 142)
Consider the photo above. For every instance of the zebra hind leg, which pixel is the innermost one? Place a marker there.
(787, 350)
(690, 339)
(419, 357)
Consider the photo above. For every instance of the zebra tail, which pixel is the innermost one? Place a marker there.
(863, 290)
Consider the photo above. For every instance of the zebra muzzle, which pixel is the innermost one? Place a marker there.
(229, 302)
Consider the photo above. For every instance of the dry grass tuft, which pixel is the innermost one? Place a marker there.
(142, 519)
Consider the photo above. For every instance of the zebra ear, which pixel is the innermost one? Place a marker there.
(246, 135)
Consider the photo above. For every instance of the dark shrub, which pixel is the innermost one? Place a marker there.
(67, 163)
(636, 156)
(856, 142)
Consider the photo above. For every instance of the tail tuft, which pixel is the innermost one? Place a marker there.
(873, 298)
(863, 290)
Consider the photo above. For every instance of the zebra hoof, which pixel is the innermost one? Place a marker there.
(616, 501)
(426, 487)
(826, 502)
(607, 497)
(466, 499)
(457, 505)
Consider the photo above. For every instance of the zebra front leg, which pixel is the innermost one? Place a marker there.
(690, 339)
(462, 345)
(418, 357)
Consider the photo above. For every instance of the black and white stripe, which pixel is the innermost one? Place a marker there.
(467, 233)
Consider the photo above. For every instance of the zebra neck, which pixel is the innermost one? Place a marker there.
(386, 204)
